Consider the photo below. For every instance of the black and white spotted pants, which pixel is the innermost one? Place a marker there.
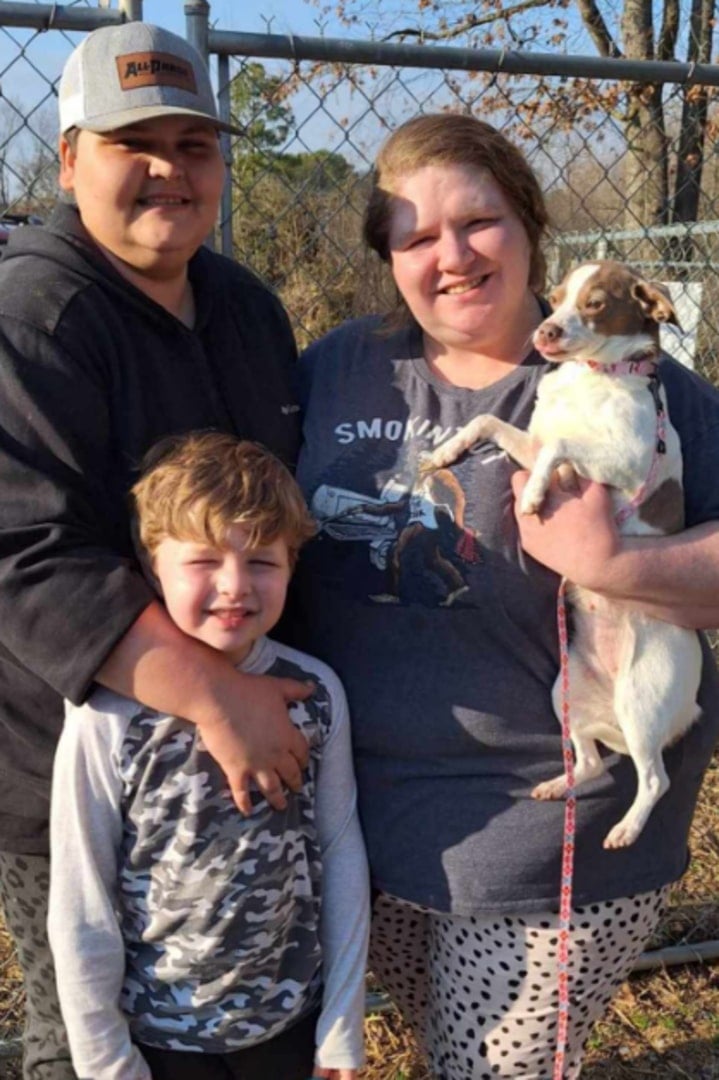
(480, 992)
(24, 889)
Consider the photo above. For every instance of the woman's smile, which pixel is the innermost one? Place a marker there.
(465, 286)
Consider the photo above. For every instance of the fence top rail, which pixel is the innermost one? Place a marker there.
(58, 16)
(382, 53)
(654, 232)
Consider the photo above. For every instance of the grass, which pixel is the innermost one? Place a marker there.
(663, 1024)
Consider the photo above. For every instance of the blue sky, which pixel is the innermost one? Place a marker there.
(30, 61)
(249, 15)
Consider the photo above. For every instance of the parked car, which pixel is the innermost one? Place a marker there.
(11, 221)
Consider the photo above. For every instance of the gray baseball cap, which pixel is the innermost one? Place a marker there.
(125, 74)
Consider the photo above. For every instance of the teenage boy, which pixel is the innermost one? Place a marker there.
(192, 942)
(117, 327)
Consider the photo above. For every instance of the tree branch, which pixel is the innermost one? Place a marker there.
(700, 32)
(669, 32)
(598, 29)
(470, 23)
(637, 29)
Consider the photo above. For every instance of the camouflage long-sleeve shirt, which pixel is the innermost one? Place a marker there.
(180, 923)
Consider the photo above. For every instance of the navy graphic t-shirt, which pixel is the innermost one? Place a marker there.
(443, 630)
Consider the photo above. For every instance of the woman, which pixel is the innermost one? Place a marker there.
(437, 607)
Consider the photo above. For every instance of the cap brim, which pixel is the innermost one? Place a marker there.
(126, 117)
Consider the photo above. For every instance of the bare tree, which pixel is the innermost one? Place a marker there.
(35, 164)
(662, 181)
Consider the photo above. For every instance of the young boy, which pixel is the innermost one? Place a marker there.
(192, 941)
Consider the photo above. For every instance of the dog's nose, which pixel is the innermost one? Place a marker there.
(548, 333)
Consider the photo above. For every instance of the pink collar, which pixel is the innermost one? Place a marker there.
(642, 364)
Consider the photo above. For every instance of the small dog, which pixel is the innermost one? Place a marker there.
(602, 413)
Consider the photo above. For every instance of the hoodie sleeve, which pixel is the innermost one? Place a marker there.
(69, 586)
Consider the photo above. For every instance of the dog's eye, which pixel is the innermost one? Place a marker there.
(594, 304)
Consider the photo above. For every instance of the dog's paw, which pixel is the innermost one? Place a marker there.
(532, 499)
(622, 835)
(427, 463)
(442, 457)
(551, 789)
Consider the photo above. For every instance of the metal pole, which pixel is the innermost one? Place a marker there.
(197, 26)
(705, 952)
(223, 97)
(58, 17)
(131, 9)
(349, 51)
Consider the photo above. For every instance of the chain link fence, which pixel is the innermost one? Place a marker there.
(627, 154)
(613, 155)
(34, 42)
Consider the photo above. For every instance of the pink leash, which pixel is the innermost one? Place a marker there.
(570, 829)
(630, 367)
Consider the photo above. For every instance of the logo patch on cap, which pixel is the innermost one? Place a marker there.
(155, 69)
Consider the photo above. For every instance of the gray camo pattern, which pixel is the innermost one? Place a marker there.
(219, 912)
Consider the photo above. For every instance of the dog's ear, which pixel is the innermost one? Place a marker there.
(655, 302)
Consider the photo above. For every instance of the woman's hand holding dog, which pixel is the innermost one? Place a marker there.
(574, 532)
(674, 578)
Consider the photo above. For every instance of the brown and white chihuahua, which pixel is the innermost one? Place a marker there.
(603, 413)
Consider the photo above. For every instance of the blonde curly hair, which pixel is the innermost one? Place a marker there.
(196, 486)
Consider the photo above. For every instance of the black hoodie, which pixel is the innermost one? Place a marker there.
(92, 373)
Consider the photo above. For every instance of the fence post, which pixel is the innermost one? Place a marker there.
(224, 101)
(197, 24)
(131, 9)
(197, 29)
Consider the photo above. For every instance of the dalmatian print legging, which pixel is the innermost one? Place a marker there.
(480, 992)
